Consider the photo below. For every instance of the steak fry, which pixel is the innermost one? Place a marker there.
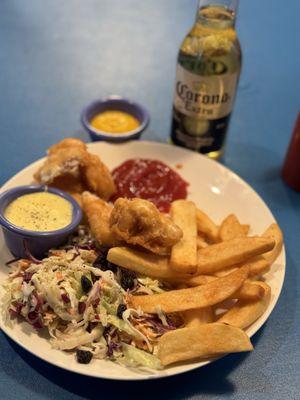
(196, 297)
(225, 254)
(244, 313)
(202, 341)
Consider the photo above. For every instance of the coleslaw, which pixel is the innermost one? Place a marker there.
(82, 301)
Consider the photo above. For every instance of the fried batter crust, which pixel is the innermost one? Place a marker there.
(97, 177)
(68, 142)
(72, 168)
(139, 222)
(98, 213)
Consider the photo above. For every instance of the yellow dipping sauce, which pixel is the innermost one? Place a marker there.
(40, 211)
(115, 122)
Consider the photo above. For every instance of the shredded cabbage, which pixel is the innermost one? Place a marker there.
(50, 295)
(135, 357)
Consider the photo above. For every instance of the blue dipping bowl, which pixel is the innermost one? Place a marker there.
(114, 103)
(38, 243)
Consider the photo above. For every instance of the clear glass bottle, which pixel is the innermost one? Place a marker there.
(208, 69)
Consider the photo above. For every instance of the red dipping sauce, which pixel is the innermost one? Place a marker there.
(150, 180)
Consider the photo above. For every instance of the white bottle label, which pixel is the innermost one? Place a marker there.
(204, 97)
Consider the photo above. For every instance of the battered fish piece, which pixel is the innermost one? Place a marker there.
(68, 142)
(69, 160)
(97, 177)
(63, 161)
(98, 212)
(78, 198)
(71, 185)
(139, 222)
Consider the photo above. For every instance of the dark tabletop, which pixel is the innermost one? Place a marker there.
(56, 56)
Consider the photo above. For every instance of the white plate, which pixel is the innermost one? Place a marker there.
(215, 189)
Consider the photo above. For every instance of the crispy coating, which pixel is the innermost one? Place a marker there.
(97, 177)
(98, 213)
(78, 198)
(68, 142)
(139, 222)
(64, 161)
(72, 168)
(69, 184)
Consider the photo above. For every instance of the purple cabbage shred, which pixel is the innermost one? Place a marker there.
(29, 255)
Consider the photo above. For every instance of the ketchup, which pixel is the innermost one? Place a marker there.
(150, 180)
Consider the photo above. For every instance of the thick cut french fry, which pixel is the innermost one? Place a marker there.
(201, 342)
(225, 254)
(157, 266)
(246, 228)
(207, 226)
(198, 316)
(275, 233)
(199, 280)
(231, 228)
(141, 262)
(201, 242)
(226, 271)
(257, 267)
(249, 291)
(184, 252)
(244, 313)
(196, 297)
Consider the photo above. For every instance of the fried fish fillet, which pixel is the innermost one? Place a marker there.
(62, 162)
(69, 160)
(97, 177)
(139, 222)
(98, 212)
(68, 142)
(70, 184)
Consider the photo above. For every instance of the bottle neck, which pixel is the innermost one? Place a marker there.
(217, 14)
(231, 5)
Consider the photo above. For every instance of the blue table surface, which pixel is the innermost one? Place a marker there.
(57, 56)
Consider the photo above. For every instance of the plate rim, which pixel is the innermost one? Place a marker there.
(194, 365)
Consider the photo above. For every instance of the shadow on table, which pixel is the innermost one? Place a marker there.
(261, 168)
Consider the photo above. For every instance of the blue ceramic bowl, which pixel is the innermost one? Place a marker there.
(115, 103)
(38, 243)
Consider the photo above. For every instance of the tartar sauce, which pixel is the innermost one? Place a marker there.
(40, 211)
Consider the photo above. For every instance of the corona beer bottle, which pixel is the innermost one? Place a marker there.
(208, 68)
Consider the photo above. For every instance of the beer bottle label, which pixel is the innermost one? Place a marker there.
(204, 97)
(202, 107)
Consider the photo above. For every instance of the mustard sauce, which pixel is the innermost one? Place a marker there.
(117, 122)
(41, 211)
